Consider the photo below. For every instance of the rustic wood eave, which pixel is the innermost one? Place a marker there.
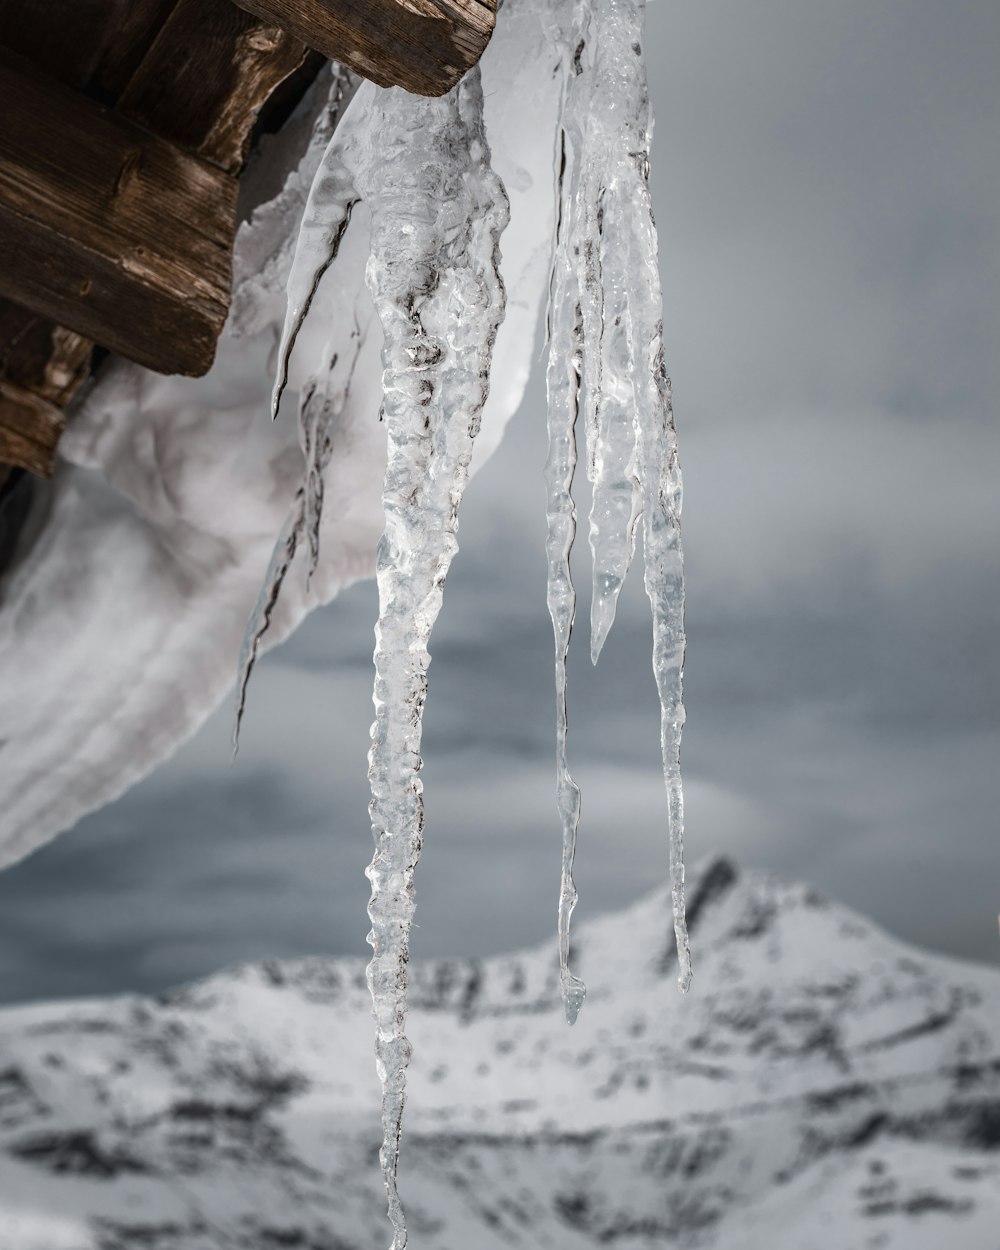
(424, 46)
(29, 430)
(108, 229)
(183, 78)
(131, 249)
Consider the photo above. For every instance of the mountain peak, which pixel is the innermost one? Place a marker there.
(823, 1085)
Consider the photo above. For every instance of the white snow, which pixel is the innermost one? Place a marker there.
(120, 623)
(823, 1086)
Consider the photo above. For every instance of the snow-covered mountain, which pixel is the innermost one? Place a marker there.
(823, 1087)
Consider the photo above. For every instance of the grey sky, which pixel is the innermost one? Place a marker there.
(826, 182)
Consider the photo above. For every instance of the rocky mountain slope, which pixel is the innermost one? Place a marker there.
(823, 1087)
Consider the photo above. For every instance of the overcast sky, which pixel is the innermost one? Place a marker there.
(826, 183)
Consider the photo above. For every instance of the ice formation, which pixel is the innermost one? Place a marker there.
(435, 279)
(606, 358)
(437, 212)
(437, 209)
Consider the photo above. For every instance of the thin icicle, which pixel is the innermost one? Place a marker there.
(437, 214)
(599, 131)
(616, 498)
(605, 267)
(655, 438)
(325, 395)
(660, 472)
(563, 384)
(267, 600)
(320, 413)
(564, 379)
(320, 409)
(327, 215)
(664, 580)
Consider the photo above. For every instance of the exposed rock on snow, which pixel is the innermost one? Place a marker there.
(824, 1087)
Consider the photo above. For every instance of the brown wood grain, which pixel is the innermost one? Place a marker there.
(127, 44)
(93, 45)
(108, 230)
(423, 45)
(204, 79)
(29, 429)
(39, 356)
(194, 72)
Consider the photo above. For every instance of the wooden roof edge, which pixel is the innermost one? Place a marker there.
(424, 46)
(187, 75)
(196, 90)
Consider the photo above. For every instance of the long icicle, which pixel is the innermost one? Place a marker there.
(605, 307)
(327, 213)
(437, 214)
(603, 123)
(655, 437)
(563, 385)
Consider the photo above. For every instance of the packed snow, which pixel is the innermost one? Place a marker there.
(123, 613)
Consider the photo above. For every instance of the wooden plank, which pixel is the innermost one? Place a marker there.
(206, 76)
(39, 356)
(93, 45)
(29, 429)
(109, 230)
(129, 41)
(423, 45)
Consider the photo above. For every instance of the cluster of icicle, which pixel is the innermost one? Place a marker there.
(422, 167)
(606, 358)
(437, 211)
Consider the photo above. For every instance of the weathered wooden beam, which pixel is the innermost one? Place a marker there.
(29, 429)
(39, 356)
(132, 35)
(108, 229)
(423, 45)
(205, 78)
(95, 46)
(82, 42)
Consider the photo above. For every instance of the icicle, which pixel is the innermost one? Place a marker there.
(320, 409)
(267, 600)
(642, 361)
(616, 499)
(423, 168)
(605, 268)
(437, 214)
(660, 473)
(563, 385)
(327, 215)
(600, 131)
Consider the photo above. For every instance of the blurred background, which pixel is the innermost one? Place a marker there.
(828, 197)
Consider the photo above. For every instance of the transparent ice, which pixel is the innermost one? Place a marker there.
(326, 394)
(606, 358)
(422, 167)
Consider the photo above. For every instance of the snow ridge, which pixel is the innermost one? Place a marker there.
(833, 1089)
